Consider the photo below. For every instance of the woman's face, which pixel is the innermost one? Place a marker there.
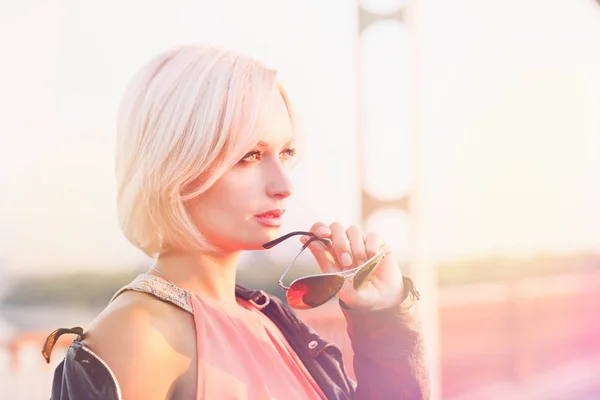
(242, 210)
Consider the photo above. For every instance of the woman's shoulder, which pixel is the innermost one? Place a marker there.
(136, 316)
(132, 309)
(142, 339)
(145, 305)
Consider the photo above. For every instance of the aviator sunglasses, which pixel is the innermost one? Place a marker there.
(314, 290)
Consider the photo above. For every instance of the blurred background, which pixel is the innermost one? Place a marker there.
(466, 132)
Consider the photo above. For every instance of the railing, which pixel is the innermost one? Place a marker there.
(537, 336)
(24, 375)
(522, 339)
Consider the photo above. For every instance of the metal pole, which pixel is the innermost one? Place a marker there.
(421, 268)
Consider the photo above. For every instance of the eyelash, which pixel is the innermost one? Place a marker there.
(287, 153)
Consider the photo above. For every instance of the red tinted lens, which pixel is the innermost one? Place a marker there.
(364, 274)
(313, 291)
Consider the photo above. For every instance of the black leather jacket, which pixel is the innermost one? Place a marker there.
(388, 356)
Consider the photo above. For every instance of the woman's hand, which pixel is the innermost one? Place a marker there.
(350, 248)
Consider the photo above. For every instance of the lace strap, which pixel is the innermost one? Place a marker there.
(160, 288)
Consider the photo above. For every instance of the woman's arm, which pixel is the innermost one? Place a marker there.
(389, 361)
(385, 334)
(135, 337)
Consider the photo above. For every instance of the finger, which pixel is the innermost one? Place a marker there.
(341, 245)
(320, 229)
(315, 243)
(319, 249)
(373, 244)
(357, 244)
(322, 254)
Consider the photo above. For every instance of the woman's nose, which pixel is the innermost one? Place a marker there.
(280, 184)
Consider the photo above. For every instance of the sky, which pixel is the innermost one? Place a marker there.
(487, 114)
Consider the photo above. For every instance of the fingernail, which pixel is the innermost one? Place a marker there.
(317, 245)
(324, 230)
(346, 259)
(303, 239)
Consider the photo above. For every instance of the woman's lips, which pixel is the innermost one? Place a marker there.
(270, 218)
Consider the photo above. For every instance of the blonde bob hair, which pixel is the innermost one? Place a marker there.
(187, 116)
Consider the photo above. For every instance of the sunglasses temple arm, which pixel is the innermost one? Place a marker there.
(275, 242)
(280, 283)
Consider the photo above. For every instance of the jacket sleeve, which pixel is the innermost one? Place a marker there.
(389, 360)
(81, 375)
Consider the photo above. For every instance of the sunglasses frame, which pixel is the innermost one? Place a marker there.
(346, 274)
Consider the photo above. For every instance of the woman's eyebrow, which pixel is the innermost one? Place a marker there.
(266, 145)
(262, 144)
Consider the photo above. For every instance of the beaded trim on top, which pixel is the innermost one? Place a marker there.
(160, 288)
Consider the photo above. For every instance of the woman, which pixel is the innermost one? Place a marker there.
(205, 138)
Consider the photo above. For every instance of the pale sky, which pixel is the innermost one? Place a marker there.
(504, 96)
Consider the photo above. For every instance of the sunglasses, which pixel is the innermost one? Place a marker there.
(314, 290)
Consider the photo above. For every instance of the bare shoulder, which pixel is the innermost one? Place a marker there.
(147, 343)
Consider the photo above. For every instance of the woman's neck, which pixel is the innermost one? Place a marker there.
(211, 275)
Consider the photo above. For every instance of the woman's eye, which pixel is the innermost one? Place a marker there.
(256, 156)
(252, 157)
(288, 153)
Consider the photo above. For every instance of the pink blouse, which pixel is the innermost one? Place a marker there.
(242, 354)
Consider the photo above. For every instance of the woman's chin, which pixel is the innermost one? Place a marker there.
(263, 237)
